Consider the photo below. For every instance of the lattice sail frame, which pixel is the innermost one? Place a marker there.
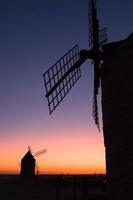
(61, 77)
(103, 37)
(97, 37)
(94, 45)
(90, 20)
(102, 32)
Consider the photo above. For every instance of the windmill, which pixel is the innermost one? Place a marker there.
(61, 77)
(28, 163)
(113, 68)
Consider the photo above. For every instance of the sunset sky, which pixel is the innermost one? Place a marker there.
(33, 35)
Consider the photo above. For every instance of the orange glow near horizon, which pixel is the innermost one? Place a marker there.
(75, 154)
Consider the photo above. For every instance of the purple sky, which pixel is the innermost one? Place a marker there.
(33, 35)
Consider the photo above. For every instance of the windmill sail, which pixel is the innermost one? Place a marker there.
(102, 36)
(61, 77)
(94, 45)
(38, 153)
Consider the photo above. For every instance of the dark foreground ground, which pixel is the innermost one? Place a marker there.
(53, 187)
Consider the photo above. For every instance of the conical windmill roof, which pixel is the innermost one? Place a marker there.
(28, 156)
(116, 48)
(126, 43)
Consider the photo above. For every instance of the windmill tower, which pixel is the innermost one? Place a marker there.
(117, 99)
(60, 78)
(28, 164)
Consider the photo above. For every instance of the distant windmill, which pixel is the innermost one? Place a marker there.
(28, 164)
(113, 67)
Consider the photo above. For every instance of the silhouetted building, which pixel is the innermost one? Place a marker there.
(28, 166)
(117, 106)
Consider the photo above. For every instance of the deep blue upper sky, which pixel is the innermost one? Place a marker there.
(33, 35)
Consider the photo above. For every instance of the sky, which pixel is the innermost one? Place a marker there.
(34, 34)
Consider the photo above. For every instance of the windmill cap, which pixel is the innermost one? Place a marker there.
(126, 43)
(28, 156)
(116, 47)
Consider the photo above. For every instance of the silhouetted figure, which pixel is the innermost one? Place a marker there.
(58, 184)
(85, 188)
(74, 186)
(105, 186)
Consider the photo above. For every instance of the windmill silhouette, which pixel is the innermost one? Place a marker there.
(29, 165)
(61, 77)
(113, 69)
